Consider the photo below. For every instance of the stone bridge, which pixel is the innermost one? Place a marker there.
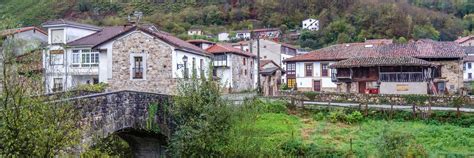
(127, 114)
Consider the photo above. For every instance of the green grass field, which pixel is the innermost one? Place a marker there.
(266, 132)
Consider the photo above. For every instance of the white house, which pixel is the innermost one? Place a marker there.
(29, 38)
(468, 75)
(223, 36)
(62, 69)
(236, 69)
(310, 24)
(192, 32)
(125, 57)
(203, 44)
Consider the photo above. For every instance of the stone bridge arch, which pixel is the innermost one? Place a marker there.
(127, 114)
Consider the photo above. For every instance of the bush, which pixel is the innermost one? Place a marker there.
(336, 116)
(318, 116)
(310, 95)
(393, 143)
(92, 87)
(294, 147)
(354, 117)
(315, 151)
(284, 86)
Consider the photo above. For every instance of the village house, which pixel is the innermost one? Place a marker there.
(310, 24)
(124, 57)
(418, 67)
(242, 45)
(195, 32)
(270, 77)
(203, 44)
(26, 39)
(273, 34)
(236, 69)
(466, 41)
(223, 36)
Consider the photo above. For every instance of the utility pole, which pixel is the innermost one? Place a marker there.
(259, 90)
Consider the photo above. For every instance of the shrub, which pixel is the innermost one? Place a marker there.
(336, 116)
(294, 147)
(318, 116)
(284, 86)
(393, 143)
(310, 95)
(92, 87)
(276, 107)
(315, 151)
(354, 117)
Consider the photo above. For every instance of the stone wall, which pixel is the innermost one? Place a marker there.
(452, 73)
(242, 81)
(106, 113)
(158, 70)
(394, 99)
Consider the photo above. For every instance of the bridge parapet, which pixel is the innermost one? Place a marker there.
(105, 113)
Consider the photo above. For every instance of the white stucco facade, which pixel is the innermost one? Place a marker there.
(306, 82)
(468, 74)
(310, 24)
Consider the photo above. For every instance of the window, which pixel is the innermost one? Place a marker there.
(56, 57)
(194, 65)
(244, 61)
(201, 65)
(137, 71)
(291, 82)
(308, 69)
(57, 84)
(245, 72)
(85, 58)
(469, 75)
(324, 70)
(57, 36)
(469, 66)
(291, 69)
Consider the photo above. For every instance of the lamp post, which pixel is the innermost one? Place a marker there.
(185, 60)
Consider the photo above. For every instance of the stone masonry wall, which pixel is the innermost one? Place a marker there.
(242, 81)
(452, 72)
(158, 65)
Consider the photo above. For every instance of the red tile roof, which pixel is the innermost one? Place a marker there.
(418, 49)
(380, 61)
(265, 62)
(221, 48)
(464, 39)
(23, 29)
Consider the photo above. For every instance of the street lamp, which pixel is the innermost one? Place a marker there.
(185, 60)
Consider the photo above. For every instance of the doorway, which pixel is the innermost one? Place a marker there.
(317, 86)
(362, 87)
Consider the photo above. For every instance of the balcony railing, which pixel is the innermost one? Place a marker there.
(137, 73)
(402, 77)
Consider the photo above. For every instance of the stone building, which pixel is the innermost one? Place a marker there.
(236, 69)
(137, 58)
(270, 77)
(445, 72)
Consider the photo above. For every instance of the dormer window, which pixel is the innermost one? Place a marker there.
(57, 36)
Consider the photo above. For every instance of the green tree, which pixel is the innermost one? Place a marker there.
(202, 118)
(425, 31)
(31, 126)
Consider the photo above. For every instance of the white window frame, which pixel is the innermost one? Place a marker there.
(62, 37)
(56, 59)
(85, 58)
(54, 89)
(132, 65)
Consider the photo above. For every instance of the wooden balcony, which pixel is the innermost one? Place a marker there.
(402, 77)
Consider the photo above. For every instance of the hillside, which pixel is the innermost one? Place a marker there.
(341, 20)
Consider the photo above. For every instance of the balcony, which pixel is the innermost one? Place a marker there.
(220, 63)
(402, 77)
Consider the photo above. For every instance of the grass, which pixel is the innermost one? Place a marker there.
(265, 132)
(436, 139)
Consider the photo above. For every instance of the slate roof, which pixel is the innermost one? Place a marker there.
(269, 71)
(111, 33)
(420, 49)
(469, 49)
(380, 61)
(67, 22)
(469, 58)
(222, 48)
(199, 41)
(265, 62)
(464, 39)
(100, 37)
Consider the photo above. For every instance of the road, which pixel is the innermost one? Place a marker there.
(385, 106)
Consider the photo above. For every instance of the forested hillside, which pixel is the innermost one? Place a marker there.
(341, 20)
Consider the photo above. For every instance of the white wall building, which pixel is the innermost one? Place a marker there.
(223, 36)
(197, 32)
(83, 54)
(468, 75)
(310, 24)
(28, 38)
